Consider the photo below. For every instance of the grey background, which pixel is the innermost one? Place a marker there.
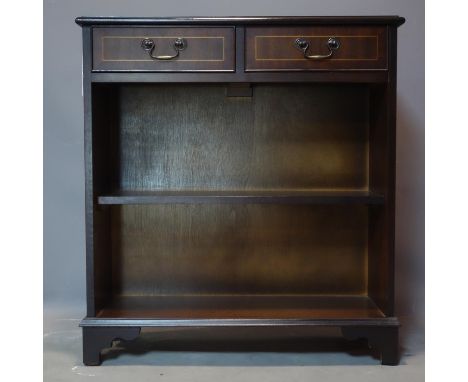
(64, 235)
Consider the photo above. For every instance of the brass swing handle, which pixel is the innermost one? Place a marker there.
(148, 45)
(332, 45)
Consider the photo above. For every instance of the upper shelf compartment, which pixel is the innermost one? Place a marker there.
(164, 49)
(302, 48)
(194, 137)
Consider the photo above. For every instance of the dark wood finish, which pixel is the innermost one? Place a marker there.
(246, 249)
(242, 197)
(364, 76)
(242, 307)
(91, 301)
(273, 48)
(243, 20)
(101, 162)
(95, 339)
(382, 175)
(382, 339)
(277, 324)
(256, 195)
(239, 90)
(304, 145)
(208, 49)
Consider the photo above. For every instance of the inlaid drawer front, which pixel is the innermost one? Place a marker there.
(164, 49)
(316, 48)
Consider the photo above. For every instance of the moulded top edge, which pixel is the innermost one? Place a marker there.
(317, 20)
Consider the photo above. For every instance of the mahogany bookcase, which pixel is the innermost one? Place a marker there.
(240, 172)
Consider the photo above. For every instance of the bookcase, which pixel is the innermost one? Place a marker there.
(240, 172)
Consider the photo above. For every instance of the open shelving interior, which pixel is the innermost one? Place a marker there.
(237, 260)
(168, 143)
(183, 178)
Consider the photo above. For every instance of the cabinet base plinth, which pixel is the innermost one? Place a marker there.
(381, 334)
(95, 339)
(382, 339)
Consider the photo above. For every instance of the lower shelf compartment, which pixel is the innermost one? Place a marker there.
(306, 307)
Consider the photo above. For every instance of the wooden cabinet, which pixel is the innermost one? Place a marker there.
(240, 172)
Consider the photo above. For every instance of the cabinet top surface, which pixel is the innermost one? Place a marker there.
(254, 20)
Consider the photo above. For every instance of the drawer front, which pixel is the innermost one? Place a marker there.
(202, 49)
(275, 48)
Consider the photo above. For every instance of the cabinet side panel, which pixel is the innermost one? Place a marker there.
(382, 179)
(88, 157)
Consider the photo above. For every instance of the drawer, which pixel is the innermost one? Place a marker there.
(164, 49)
(328, 48)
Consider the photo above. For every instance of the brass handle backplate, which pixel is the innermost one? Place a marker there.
(149, 46)
(303, 45)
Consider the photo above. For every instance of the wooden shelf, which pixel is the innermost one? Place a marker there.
(253, 197)
(307, 307)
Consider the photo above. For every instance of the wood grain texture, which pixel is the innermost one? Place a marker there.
(241, 197)
(242, 307)
(207, 49)
(239, 249)
(286, 137)
(273, 48)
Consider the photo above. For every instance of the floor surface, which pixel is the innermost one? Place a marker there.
(199, 357)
